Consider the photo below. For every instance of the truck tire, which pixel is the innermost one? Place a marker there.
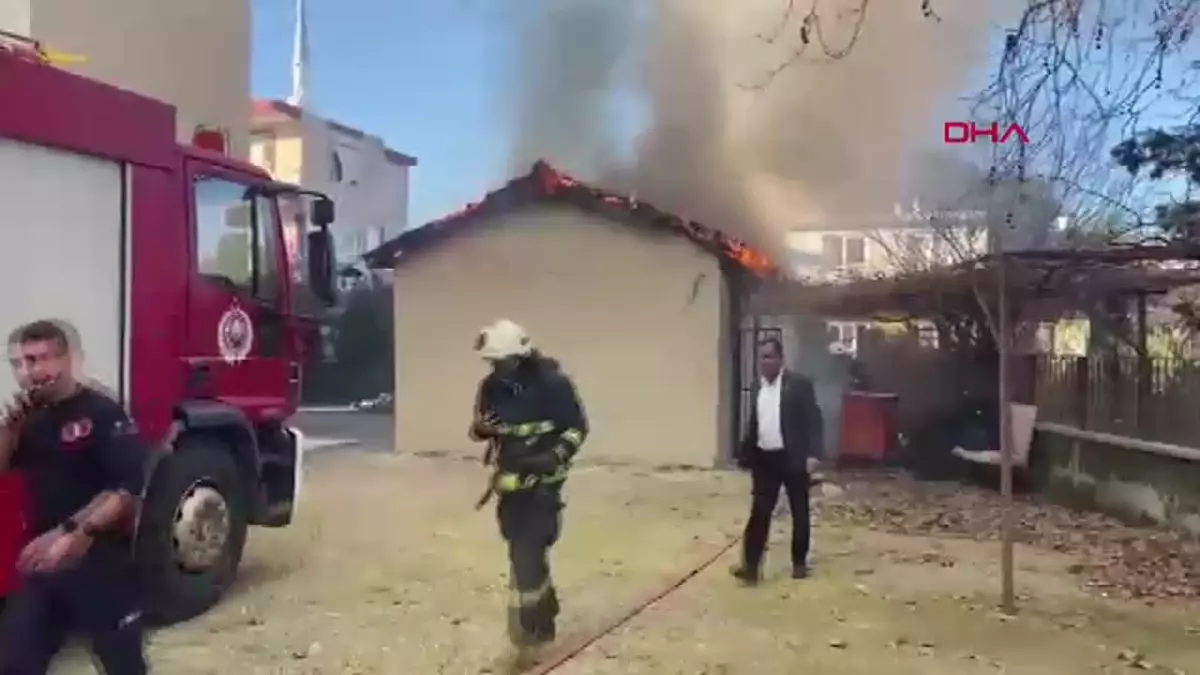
(192, 529)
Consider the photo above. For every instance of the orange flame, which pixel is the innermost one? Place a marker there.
(550, 181)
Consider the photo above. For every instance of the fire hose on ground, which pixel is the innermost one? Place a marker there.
(560, 657)
(566, 653)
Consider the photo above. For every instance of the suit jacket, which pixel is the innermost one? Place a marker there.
(799, 417)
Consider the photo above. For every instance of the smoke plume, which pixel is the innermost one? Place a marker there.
(820, 144)
(682, 158)
(570, 56)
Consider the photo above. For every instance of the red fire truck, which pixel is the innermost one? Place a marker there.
(184, 283)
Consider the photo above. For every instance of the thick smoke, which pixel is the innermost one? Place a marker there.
(571, 51)
(843, 138)
(820, 145)
(682, 160)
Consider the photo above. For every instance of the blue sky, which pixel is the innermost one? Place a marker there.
(425, 75)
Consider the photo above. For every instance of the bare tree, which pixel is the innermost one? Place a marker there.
(1080, 74)
(806, 26)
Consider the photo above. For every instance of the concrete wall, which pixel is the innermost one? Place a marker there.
(194, 55)
(637, 319)
(1125, 482)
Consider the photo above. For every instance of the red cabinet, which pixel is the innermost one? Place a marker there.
(868, 427)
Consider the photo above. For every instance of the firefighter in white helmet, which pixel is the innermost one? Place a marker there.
(529, 412)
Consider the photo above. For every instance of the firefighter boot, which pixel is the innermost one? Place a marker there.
(534, 625)
(523, 631)
(524, 627)
(547, 610)
(516, 634)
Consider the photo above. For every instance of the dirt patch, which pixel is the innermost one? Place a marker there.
(390, 571)
(952, 565)
(1110, 557)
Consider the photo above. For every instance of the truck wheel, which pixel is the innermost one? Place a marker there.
(192, 529)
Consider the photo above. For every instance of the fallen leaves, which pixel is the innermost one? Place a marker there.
(1112, 558)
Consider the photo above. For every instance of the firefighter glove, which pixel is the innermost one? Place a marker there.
(486, 425)
(507, 482)
(512, 482)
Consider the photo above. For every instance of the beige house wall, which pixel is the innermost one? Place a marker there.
(638, 321)
(193, 55)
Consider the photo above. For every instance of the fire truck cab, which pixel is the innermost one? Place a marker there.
(185, 282)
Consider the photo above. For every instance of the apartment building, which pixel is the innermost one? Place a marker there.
(904, 241)
(367, 180)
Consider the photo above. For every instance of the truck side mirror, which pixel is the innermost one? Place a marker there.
(322, 212)
(320, 266)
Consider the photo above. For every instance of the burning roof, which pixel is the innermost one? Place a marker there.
(546, 184)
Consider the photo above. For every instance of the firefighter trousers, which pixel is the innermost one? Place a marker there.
(99, 599)
(530, 521)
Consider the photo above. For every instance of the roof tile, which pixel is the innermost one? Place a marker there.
(547, 184)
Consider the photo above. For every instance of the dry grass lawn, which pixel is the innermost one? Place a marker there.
(390, 571)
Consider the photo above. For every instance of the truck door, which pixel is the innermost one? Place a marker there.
(241, 350)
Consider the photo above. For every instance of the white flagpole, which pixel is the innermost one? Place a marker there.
(300, 58)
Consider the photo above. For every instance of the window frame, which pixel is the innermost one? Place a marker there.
(861, 242)
(265, 280)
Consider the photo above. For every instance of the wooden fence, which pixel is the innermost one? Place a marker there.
(1152, 399)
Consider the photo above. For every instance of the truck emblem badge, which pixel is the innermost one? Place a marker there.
(235, 335)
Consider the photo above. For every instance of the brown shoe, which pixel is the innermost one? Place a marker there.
(746, 575)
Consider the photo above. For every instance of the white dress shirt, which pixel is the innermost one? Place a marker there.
(770, 427)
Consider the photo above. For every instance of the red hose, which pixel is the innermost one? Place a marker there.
(553, 662)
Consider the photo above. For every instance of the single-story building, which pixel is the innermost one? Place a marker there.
(643, 309)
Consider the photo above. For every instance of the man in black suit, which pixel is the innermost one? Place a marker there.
(780, 449)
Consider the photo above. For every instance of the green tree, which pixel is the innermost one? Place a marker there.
(363, 343)
(362, 349)
(1168, 155)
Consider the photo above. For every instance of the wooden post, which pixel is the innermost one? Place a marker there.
(1081, 372)
(1008, 525)
(1144, 371)
(1081, 391)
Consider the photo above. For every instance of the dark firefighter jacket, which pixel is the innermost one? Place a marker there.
(542, 424)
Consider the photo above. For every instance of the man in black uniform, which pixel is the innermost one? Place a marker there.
(528, 409)
(85, 467)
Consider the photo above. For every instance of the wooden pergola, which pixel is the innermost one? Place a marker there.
(1043, 283)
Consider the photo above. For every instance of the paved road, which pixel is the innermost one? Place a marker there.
(373, 431)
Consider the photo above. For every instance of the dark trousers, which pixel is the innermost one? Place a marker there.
(98, 598)
(530, 521)
(769, 472)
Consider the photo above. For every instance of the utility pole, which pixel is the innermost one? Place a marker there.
(1004, 344)
(1008, 603)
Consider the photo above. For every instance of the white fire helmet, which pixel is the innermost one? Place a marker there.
(501, 340)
